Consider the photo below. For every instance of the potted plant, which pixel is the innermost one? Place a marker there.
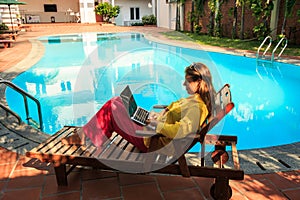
(3, 28)
(107, 11)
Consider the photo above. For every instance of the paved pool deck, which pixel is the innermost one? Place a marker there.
(271, 173)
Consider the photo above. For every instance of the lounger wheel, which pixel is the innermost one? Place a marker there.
(226, 196)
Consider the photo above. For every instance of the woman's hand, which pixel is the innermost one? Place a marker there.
(152, 120)
(151, 124)
(153, 115)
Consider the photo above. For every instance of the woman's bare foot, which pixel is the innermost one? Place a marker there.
(76, 138)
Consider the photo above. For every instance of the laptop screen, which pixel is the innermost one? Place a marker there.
(128, 100)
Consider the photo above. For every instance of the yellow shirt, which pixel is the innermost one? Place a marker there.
(183, 117)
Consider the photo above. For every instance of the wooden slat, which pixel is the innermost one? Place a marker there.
(217, 105)
(104, 146)
(56, 146)
(161, 159)
(111, 148)
(88, 151)
(235, 156)
(134, 154)
(119, 149)
(127, 151)
(71, 150)
(82, 150)
(52, 138)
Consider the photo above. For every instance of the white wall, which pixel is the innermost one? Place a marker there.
(166, 14)
(87, 13)
(36, 8)
(125, 6)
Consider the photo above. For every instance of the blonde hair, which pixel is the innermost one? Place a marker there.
(199, 71)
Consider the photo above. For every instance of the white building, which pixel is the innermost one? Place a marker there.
(6, 17)
(46, 11)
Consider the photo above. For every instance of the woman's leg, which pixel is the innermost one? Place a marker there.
(113, 116)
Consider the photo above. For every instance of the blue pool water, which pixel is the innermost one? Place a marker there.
(79, 72)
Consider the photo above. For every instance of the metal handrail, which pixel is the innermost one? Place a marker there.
(268, 47)
(25, 95)
(11, 112)
(283, 48)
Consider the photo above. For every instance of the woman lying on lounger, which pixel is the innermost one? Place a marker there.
(176, 120)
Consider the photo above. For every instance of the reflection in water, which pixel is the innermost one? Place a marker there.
(80, 73)
(243, 112)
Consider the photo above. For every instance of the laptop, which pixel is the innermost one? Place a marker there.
(136, 113)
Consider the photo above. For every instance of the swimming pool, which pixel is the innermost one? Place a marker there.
(79, 72)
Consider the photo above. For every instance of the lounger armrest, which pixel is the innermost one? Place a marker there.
(160, 106)
(143, 133)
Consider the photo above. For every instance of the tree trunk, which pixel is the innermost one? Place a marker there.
(192, 21)
(211, 23)
(234, 25)
(177, 17)
(217, 21)
(242, 22)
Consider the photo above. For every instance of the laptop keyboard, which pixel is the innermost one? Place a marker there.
(141, 115)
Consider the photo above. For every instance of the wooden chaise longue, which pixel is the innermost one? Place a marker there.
(117, 151)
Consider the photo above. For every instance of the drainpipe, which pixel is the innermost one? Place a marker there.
(192, 12)
(153, 3)
(170, 16)
(157, 15)
(274, 19)
(181, 16)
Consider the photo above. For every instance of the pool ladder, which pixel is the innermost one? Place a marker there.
(263, 59)
(25, 95)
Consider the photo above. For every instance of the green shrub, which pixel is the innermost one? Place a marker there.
(198, 29)
(149, 20)
(107, 10)
(3, 27)
(137, 24)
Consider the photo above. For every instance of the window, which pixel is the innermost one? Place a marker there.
(90, 5)
(137, 13)
(134, 13)
(131, 13)
(50, 8)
